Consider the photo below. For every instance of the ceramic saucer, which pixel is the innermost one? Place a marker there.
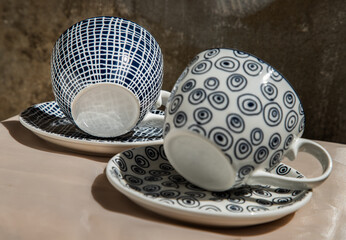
(145, 176)
(48, 122)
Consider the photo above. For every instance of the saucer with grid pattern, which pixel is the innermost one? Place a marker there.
(48, 122)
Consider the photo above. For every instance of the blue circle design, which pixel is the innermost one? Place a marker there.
(261, 154)
(175, 103)
(221, 137)
(179, 119)
(228, 64)
(274, 141)
(269, 91)
(256, 136)
(138, 170)
(242, 149)
(234, 208)
(272, 114)
(201, 67)
(211, 83)
(152, 153)
(198, 129)
(235, 123)
(275, 75)
(211, 53)
(166, 128)
(291, 120)
(141, 161)
(289, 99)
(288, 141)
(249, 104)
(240, 54)
(244, 171)
(275, 158)
(197, 96)
(302, 124)
(202, 115)
(252, 67)
(236, 82)
(218, 100)
(188, 85)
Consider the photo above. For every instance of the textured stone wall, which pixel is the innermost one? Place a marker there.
(303, 39)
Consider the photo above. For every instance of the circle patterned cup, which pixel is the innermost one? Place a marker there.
(107, 75)
(231, 118)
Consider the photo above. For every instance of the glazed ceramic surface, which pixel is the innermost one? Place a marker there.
(48, 122)
(145, 175)
(106, 72)
(229, 115)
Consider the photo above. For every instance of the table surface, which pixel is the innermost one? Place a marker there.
(50, 193)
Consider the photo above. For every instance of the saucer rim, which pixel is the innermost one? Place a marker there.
(220, 218)
(40, 132)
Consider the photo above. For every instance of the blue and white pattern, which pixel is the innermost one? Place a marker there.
(145, 175)
(261, 112)
(48, 117)
(107, 50)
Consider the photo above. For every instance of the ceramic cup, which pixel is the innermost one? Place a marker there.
(107, 75)
(231, 118)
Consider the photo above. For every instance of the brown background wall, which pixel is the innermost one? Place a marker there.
(303, 39)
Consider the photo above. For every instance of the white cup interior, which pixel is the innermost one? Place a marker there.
(199, 160)
(105, 110)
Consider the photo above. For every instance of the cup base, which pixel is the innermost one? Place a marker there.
(199, 160)
(105, 110)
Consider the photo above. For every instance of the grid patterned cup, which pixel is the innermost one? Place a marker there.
(107, 75)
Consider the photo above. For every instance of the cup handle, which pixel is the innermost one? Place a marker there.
(303, 145)
(156, 120)
(163, 99)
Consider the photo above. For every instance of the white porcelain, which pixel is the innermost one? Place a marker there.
(231, 119)
(146, 177)
(48, 122)
(107, 75)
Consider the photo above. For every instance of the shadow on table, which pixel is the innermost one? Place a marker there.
(111, 199)
(27, 138)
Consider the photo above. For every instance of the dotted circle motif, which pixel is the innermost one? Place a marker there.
(242, 105)
(159, 183)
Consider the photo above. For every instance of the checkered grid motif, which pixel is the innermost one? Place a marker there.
(48, 117)
(108, 50)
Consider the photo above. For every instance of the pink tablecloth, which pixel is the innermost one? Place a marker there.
(50, 193)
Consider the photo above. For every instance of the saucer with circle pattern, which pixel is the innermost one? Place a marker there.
(145, 176)
(47, 121)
